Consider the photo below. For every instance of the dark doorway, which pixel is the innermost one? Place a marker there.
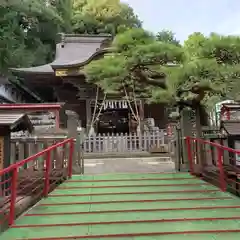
(113, 121)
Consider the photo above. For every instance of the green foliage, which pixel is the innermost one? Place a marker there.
(29, 28)
(102, 16)
(28, 33)
(157, 68)
(129, 67)
(128, 40)
(168, 37)
(224, 49)
(202, 71)
(112, 76)
(217, 57)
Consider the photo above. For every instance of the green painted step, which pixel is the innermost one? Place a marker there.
(119, 229)
(129, 206)
(129, 182)
(91, 229)
(131, 216)
(132, 197)
(130, 176)
(230, 236)
(133, 189)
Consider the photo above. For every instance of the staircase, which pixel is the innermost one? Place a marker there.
(168, 206)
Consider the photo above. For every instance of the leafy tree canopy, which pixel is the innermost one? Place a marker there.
(28, 33)
(130, 66)
(167, 36)
(217, 63)
(103, 16)
(29, 28)
(158, 68)
(202, 70)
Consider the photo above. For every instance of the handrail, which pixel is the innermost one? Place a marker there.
(36, 138)
(15, 184)
(196, 149)
(214, 144)
(29, 159)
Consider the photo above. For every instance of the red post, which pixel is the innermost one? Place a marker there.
(221, 170)
(70, 160)
(189, 153)
(47, 174)
(13, 196)
(228, 114)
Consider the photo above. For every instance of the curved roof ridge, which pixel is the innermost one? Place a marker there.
(76, 63)
(43, 69)
(74, 50)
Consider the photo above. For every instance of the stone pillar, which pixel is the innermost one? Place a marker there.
(72, 126)
(72, 123)
(186, 130)
(63, 117)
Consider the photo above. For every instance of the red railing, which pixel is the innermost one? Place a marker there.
(215, 163)
(27, 181)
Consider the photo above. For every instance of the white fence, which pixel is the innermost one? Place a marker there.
(123, 142)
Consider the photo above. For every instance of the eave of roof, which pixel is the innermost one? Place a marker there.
(232, 127)
(76, 63)
(31, 106)
(16, 120)
(44, 69)
(49, 69)
(72, 51)
(231, 106)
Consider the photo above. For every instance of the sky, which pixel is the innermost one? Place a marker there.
(184, 17)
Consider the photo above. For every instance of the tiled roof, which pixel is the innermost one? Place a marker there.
(16, 121)
(73, 50)
(231, 127)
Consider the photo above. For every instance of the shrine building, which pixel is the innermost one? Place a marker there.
(63, 80)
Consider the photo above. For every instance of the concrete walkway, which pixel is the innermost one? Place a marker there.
(128, 165)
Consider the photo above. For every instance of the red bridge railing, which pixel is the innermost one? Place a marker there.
(215, 163)
(27, 181)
